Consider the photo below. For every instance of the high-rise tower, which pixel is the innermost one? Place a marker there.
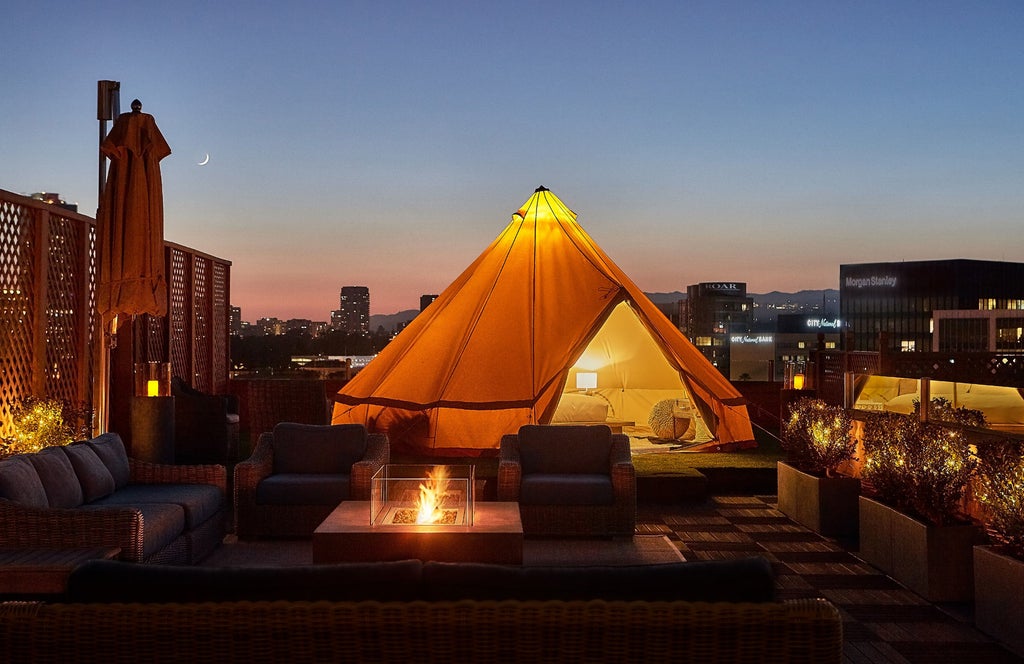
(354, 311)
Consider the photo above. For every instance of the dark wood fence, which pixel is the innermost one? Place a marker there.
(49, 327)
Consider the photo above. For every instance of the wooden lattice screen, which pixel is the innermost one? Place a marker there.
(48, 323)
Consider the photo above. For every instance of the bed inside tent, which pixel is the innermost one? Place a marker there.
(624, 379)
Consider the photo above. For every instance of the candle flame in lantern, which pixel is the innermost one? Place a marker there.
(428, 506)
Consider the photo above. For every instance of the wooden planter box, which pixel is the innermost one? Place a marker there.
(826, 505)
(936, 562)
(999, 596)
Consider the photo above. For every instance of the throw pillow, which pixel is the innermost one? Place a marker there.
(109, 448)
(19, 482)
(62, 487)
(315, 448)
(565, 449)
(92, 473)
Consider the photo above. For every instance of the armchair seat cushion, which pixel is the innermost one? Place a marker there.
(198, 502)
(303, 489)
(312, 448)
(566, 489)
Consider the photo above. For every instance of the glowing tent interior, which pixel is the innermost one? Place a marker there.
(506, 340)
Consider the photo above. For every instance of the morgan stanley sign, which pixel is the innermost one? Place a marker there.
(874, 281)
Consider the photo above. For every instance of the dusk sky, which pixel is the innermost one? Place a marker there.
(386, 144)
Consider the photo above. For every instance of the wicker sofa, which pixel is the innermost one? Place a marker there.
(298, 473)
(91, 494)
(426, 612)
(569, 480)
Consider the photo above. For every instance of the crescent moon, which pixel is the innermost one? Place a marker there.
(205, 160)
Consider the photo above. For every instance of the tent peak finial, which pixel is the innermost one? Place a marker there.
(541, 188)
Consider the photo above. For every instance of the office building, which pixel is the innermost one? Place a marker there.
(797, 336)
(953, 305)
(426, 300)
(353, 314)
(714, 311)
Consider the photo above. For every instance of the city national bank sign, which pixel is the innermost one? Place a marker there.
(758, 339)
(824, 323)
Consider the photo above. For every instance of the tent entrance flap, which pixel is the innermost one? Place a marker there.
(623, 367)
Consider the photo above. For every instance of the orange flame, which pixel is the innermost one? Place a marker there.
(428, 506)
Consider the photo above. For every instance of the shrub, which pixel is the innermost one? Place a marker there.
(919, 468)
(1001, 492)
(817, 436)
(941, 409)
(45, 422)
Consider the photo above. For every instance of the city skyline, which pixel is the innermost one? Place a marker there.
(388, 145)
(802, 304)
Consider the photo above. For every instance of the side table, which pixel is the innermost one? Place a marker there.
(44, 571)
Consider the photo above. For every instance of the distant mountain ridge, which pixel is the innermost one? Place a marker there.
(802, 299)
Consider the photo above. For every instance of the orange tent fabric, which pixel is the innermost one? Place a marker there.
(132, 277)
(493, 351)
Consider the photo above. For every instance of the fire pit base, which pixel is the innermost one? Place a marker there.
(346, 535)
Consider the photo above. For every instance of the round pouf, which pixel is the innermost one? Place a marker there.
(661, 421)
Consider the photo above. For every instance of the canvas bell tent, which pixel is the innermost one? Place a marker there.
(504, 343)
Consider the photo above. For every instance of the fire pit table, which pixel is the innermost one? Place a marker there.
(346, 535)
(424, 512)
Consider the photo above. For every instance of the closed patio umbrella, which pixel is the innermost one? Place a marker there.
(131, 220)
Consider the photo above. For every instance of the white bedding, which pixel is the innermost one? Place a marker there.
(579, 407)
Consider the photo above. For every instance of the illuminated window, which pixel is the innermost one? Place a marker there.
(703, 341)
(801, 344)
(908, 345)
(830, 345)
(992, 303)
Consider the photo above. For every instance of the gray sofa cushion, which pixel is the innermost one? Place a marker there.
(162, 523)
(20, 483)
(199, 501)
(312, 448)
(116, 581)
(110, 450)
(92, 473)
(744, 580)
(63, 490)
(303, 489)
(565, 449)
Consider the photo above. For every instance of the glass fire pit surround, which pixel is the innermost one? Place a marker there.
(422, 494)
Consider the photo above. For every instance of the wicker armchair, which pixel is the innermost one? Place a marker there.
(205, 426)
(299, 473)
(569, 480)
